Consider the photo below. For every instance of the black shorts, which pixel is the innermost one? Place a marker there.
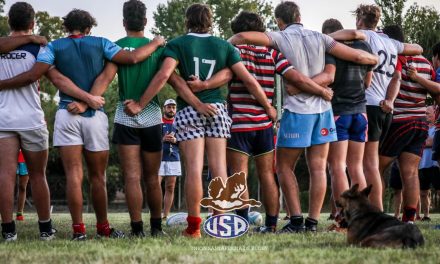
(149, 138)
(378, 123)
(429, 176)
(254, 143)
(436, 146)
(407, 136)
(395, 180)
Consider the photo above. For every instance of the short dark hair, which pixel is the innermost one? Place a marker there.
(331, 25)
(21, 16)
(436, 50)
(198, 18)
(78, 20)
(135, 13)
(369, 15)
(247, 21)
(394, 32)
(288, 12)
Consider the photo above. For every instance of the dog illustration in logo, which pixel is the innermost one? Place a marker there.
(227, 196)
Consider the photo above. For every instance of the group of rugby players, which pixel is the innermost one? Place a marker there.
(377, 82)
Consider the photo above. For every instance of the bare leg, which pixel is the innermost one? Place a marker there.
(397, 202)
(36, 162)
(71, 157)
(192, 152)
(131, 164)
(372, 174)
(22, 184)
(354, 163)
(170, 183)
(286, 162)
(151, 164)
(317, 161)
(425, 202)
(96, 165)
(238, 162)
(337, 165)
(269, 187)
(409, 164)
(8, 168)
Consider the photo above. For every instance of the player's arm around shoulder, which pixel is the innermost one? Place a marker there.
(139, 54)
(251, 37)
(348, 34)
(358, 56)
(8, 44)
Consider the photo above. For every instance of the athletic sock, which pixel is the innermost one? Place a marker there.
(156, 223)
(310, 222)
(271, 220)
(79, 228)
(193, 224)
(19, 213)
(103, 228)
(243, 213)
(296, 220)
(45, 226)
(409, 214)
(137, 227)
(8, 227)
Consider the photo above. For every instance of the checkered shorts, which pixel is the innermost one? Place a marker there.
(191, 125)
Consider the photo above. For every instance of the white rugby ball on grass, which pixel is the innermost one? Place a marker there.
(255, 218)
(177, 219)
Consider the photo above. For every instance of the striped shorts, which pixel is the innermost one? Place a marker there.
(191, 125)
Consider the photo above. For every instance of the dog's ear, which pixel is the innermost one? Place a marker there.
(365, 192)
(354, 188)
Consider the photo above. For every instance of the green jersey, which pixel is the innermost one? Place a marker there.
(202, 55)
(134, 79)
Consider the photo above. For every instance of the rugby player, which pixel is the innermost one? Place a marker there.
(409, 128)
(22, 123)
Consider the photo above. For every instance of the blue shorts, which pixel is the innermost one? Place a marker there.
(254, 143)
(305, 130)
(22, 169)
(352, 127)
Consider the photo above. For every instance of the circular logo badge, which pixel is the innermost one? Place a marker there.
(324, 132)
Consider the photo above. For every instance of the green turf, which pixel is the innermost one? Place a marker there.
(299, 248)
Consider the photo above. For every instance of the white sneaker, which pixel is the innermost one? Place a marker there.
(9, 237)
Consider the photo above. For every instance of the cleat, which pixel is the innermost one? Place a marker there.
(47, 236)
(289, 228)
(426, 219)
(265, 229)
(195, 235)
(79, 237)
(156, 232)
(139, 234)
(9, 237)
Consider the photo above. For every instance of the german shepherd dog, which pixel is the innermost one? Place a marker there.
(369, 227)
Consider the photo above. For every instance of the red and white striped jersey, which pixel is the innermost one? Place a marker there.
(263, 63)
(410, 102)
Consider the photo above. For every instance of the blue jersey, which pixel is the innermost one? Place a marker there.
(170, 152)
(437, 75)
(79, 58)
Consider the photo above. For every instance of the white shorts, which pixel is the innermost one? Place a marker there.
(30, 140)
(72, 130)
(170, 168)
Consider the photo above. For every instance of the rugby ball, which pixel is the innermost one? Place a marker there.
(177, 219)
(255, 218)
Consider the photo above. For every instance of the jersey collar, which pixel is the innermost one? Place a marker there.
(76, 36)
(200, 35)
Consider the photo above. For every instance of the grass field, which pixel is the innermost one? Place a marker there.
(299, 248)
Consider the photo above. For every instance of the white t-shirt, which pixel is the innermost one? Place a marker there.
(20, 109)
(305, 50)
(387, 49)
